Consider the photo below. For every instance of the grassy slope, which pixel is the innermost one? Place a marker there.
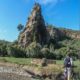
(27, 61)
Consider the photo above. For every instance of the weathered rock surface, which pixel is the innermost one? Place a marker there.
(35, 29)
(59, 34)
(71, 33)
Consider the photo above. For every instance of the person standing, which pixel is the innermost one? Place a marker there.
(68, 62)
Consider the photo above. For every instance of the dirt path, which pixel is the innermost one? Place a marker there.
(10, 76)
(9, 71)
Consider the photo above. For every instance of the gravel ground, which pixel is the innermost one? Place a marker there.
(9, 76)
(13, 73)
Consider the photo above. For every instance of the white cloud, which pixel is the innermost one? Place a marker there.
(45, 2)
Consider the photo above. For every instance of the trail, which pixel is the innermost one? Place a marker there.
(13, 73)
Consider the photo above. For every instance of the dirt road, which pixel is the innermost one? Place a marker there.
(13, 73)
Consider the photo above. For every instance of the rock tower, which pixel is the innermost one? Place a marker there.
(35, 29)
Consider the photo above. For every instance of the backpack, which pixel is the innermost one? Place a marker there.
(67, 62)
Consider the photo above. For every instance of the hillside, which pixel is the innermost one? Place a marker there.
(36, 30)
(56, 41)
(40, 40)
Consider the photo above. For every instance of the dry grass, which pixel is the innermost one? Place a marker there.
(34, 65)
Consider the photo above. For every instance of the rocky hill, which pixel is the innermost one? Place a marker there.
(38, 40)
(36, 30)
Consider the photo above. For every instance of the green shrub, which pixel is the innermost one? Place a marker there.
(61, 53)
(47, 54)
(33, 50)
(3, 51)
(15, 51)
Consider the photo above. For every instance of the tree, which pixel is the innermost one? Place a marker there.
(61, 53)
(47, 54)
(33, 50)
(3, 51)
(20, 27)
(15, 51)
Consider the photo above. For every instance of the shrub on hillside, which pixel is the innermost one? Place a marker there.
(33, 50)
(47, 54)
(15, 51)
(73, 51)
(61, 53)
(79, 55)
(3, 51)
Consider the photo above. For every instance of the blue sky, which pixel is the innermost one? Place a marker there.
(61, 13)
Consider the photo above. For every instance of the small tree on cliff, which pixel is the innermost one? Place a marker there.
(20, 27)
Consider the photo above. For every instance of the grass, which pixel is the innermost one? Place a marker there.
(22, 61)
(76, 63)
(27, 61)
(36, 68)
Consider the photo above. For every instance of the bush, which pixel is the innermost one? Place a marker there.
(61, 53)
(47, 54)
(3, 51)
(79, 55)
(15, 51)
(73, 52)
(33, 50)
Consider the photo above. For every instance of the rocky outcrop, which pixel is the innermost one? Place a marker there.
(55, 33)
(71, 33)
(35, 29)
(59, 34)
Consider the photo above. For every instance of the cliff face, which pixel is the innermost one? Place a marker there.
(71, 33)
(35, 29)
(58, 33)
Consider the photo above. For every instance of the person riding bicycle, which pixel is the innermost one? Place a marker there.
(68, 62)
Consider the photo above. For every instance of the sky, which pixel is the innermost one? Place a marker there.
(61, 13)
